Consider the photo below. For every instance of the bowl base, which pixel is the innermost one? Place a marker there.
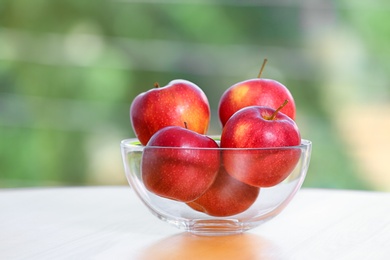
(214, 227)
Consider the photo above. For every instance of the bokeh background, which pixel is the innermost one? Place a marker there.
(69, 70)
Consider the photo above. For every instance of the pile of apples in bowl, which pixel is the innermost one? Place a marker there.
(216, 185)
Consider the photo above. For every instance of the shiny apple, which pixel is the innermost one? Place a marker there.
(226, 197)
(170, 105)
(266, 133)
(255, 92)
(178, 164)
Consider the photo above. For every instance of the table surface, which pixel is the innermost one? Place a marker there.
(111, 223)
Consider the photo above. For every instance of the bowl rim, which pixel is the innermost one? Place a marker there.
(135, 145)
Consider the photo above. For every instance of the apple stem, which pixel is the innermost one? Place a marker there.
(277, 110)
(185, 125)
(262, 68)
(156, 85)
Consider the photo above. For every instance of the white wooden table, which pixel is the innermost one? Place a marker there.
(111, 223)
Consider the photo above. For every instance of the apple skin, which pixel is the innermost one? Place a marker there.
(179, 101)
(251, 127)
(255, 92)
(174, 167)
(226, 197)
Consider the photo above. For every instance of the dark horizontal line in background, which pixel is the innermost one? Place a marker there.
(150, 55)
(60, 114)
(318, 4)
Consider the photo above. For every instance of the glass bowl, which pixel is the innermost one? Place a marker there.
(239, 201)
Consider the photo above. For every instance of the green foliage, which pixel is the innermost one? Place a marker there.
(69, 70)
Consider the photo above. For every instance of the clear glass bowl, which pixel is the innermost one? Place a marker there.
(267, 203)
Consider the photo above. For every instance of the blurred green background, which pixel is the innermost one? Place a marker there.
(69, 70)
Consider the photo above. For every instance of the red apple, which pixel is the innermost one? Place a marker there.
(226, 197)
(260, 127)
(171, 105)
(255, 92)
(177, 163)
